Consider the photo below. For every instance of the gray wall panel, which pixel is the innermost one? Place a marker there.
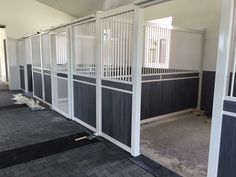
(163, 97)
(116, 115)
(22, 77)
(85, 103)
(48, 88)
(227, 156)
(38, 90)
(29, 73)
(208, 84)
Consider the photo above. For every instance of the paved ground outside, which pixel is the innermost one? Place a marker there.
(180, 143)
(94, 160)
(22, 127)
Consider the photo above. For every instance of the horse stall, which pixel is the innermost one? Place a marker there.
(173, 131)
(110, 72)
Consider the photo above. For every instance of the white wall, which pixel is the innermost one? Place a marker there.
(2, 56)
(198, 14)
(23, 17)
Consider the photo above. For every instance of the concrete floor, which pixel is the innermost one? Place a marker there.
(3, 86)
(180, 143)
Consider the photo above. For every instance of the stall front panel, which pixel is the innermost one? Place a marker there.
(37, 67)
(60, 49)
(117, 39)
(84, 74)
(46, 67)
(21, 61)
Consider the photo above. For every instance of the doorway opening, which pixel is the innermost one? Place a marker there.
(174, 131)
(3, 59)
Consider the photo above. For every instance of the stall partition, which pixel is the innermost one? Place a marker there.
(171, 70)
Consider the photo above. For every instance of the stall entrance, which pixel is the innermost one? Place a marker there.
(173, 132)
(61, 71)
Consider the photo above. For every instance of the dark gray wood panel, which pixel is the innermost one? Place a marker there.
(230, 106)
(86, 79)
(116, 115)
(118, 85)
(48, 88)
(30, 81)
(163, 97)
(62, 75)
(208, 84)
(227, 156)
(22, 77)
(38, 90)
(85, 103)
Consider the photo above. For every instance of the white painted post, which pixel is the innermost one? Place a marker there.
(69, 71)
(227, 8)
(98, 41)
(41, 60)
(72, 59)
(136, 79)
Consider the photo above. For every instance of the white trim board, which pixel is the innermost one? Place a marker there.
(153, 119)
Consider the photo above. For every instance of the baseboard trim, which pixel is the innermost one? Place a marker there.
(153, 119)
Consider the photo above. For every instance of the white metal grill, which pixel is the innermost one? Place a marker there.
(60, 61)
(46, 51)
(157, 49)
(117, 38)
(84, 48)
(170, 49)
(36, 54)
(61, 99)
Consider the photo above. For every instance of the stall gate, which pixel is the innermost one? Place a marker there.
(84, 74)
(46, 67)
(117, 31)
(37, 67)
(60, 49)
(21, 61)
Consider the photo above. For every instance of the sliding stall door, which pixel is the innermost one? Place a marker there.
(84, 74)
(46, 67)
(21, 61)
(37, 67)
(117, 40)
(61, 72)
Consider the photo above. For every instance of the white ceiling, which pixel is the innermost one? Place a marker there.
(80, 8)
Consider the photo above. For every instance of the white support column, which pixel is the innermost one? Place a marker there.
(41, 60)
(227, 8)
(25, 66)
(72, 59)
(98, 41)
(69, 72)
(136, 79)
